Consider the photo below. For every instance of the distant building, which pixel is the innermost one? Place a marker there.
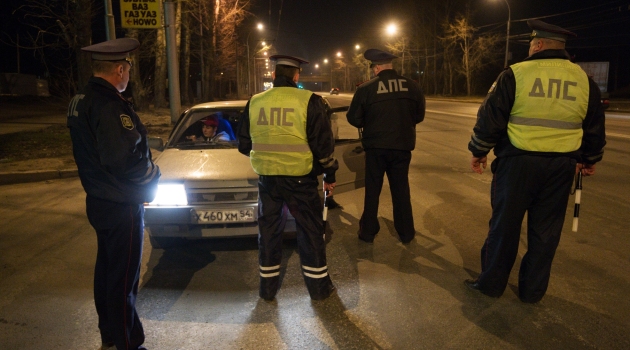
(23, 85)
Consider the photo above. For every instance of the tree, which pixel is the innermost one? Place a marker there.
(160, 70)
(476, 51)
(139, 86)
(362, 69)
(229, 15)
(398, 48)
(58, 31)
(185, 56)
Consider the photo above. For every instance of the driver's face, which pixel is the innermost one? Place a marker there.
(208, 131)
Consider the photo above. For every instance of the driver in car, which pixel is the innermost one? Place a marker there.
(209, 131)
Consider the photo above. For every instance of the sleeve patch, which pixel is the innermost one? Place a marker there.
(494, 85)
(126, 121)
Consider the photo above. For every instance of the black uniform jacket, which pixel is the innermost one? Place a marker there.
(318, 131)
(388, 107)
(494, 114)
(110, 146)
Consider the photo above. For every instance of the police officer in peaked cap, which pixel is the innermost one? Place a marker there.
(287, 135)
(541, 29)
(544, 119)
(118, 175)
(387, 107)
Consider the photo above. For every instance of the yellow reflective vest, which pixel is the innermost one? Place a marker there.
(277, 126)
(549, 107)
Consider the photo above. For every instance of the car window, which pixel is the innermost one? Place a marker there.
(188, 132)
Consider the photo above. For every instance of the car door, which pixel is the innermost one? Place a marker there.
(348, 151)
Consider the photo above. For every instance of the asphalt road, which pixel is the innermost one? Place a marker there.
(204, 295)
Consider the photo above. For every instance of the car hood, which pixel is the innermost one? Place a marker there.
(208, 164)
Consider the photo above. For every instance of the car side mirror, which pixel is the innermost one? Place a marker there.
(156, 143)
(337, 109)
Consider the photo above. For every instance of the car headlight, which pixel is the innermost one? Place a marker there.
(170, 194)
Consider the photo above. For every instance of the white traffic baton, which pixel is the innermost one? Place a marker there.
(325, 215)
(325, 205)
(578, 198)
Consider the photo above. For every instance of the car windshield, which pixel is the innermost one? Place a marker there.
(207, 128)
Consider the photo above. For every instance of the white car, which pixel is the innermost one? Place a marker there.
(209, 189)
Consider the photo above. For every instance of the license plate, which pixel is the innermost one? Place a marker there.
(227, 215)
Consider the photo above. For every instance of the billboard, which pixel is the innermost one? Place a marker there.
(598, 71)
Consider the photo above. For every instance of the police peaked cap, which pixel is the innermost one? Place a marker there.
(548, 31)
(287, 60)
(112, 50)
(377, 56)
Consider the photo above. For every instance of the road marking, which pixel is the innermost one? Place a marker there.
(450, 113)
(618, 135)
(617, 116)
(471, 116)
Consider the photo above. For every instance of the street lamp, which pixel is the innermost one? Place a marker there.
(357, 47)
(260, 28)
(507, 37)
(331, 80)
(344, 65)
(392, 29)
(257, 71)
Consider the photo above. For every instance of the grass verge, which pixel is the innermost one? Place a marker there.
(53, 141)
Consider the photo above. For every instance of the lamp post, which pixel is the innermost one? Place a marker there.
(392, 30)
(507, 37)
(331, 80)
(259, 27)
(343, 65)
(365, 77)
(317, 73)
(256, 70)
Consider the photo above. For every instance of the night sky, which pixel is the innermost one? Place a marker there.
(314, 29)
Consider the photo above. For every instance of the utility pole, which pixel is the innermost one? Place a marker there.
(173, 65)
(201, 95)
(110, 26)
(18, 52)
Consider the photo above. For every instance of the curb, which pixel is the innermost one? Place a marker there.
(36, 175)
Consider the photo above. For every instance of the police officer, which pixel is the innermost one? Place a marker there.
(542, 116)
(287, 135)
(387, 107)
(114, 161)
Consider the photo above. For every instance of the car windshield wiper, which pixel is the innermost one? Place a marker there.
(205, 145)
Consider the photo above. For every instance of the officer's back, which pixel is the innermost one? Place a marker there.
(387, 107)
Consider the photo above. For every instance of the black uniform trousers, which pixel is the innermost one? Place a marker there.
(396, 164)
(119, 231)
(539, 186)
(300, 196)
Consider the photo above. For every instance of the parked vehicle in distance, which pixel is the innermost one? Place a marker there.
(209, 189)
(605, 101)
(334, 91)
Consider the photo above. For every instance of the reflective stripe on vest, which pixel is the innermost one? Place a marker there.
(549, 107)
(277, 125)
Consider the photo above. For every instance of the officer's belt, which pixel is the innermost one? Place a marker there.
(556, 124)
(280, 148)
